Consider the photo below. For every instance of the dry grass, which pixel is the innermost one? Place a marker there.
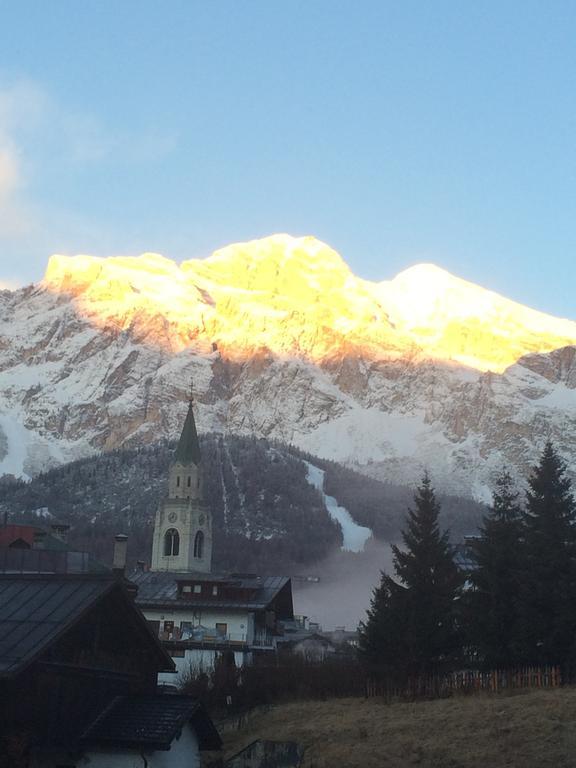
(530, 730)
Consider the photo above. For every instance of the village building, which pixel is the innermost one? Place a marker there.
(33, 549)
(78, 676)
(196, 613)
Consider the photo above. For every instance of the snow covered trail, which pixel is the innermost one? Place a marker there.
(355, 536)
(14, 439)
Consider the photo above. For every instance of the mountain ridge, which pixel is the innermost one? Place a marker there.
(101, 355)
(273, 286)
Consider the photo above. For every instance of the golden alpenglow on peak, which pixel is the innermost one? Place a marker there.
(295, 296)
(277, 264)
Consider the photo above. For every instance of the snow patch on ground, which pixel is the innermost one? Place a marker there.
(354, 536)
(367, 435)
(14, 439)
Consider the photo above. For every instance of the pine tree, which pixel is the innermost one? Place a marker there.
(492, 605)
(411, 625)
(549, 579)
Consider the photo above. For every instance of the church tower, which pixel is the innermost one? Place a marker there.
(183, 527)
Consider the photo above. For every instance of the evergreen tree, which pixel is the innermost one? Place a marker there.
(411, 625)
(549, 579)
(492, 605)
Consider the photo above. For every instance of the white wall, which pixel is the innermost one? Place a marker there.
(183, 753)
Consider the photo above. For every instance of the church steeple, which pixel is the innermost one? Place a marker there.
(184, 480)
(188, 449)
(183, 527)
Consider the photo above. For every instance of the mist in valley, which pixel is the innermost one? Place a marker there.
(344, 591)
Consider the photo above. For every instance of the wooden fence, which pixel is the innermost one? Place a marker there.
(465, 682)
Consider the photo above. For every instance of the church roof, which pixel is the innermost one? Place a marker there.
(188, 450)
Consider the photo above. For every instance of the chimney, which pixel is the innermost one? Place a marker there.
(120, 548)
(60, 531)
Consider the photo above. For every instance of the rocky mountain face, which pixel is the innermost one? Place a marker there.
(282, 341)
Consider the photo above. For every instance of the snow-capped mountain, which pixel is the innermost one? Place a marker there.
(280, 339)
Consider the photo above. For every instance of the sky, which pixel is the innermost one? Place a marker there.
(397, 132)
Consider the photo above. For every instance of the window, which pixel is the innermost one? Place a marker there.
(221, 630)
(177, 481)
(189, 481)
(199, 545)
(214, 590)
(187, 588)
(171, 542)
(197, 589)
(154, 626)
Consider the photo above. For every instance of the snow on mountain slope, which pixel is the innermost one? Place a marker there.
(282, 340)
(297, 296)
(354, 536)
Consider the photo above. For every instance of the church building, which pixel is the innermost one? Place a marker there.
(183, 530)
(197, 613)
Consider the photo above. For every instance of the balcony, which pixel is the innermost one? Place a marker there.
(209, 637)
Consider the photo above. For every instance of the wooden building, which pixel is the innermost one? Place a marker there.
(74, 648)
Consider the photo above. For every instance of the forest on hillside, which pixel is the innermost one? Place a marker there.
(266, 516)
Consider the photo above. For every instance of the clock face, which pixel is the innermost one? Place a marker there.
(172, 517)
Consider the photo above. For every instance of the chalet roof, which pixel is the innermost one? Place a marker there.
(36, 609)
(188, 448)
(161, 587)
(150, 722)
(303, 636)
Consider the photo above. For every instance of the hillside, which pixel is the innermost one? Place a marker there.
(266, 515)
(284, 342)
(528, 730)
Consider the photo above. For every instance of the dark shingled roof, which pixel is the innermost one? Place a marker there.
(161, 587)
(36, 609)
(150, 722)
(188, 449)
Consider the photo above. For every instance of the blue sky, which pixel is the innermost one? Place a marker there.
(398, 132)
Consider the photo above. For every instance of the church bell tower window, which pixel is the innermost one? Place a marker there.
(171, 542)
(199, 545)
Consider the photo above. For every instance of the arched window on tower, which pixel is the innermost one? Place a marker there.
(199, 545)
(171, 542)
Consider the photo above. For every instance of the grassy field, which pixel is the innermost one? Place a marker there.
(534, 729)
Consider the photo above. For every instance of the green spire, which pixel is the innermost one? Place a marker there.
(188, 450)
